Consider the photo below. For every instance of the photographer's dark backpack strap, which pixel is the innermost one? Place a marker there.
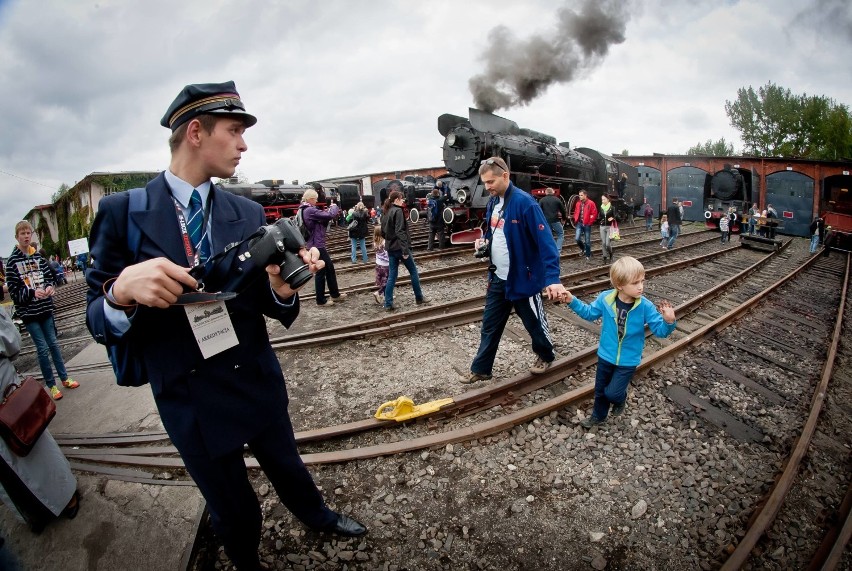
(127, 365)
(137, 201)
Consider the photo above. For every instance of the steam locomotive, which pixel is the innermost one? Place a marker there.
(536, 161)
(727, 188)
(279, 200)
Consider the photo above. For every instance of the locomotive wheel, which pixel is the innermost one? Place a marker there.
(572, 202)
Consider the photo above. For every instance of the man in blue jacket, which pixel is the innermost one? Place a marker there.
(524, 261)
(216, 391)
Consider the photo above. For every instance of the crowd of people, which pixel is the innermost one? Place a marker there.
(763, 222)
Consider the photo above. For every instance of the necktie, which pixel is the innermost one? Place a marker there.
(197, 234)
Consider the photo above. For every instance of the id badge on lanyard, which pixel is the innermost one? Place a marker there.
(210, 322)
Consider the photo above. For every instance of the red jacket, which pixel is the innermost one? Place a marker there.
(589, 215)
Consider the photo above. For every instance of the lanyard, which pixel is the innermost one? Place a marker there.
(192, 256)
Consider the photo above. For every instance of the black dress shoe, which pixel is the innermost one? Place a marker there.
(347, 526)
(71, 511)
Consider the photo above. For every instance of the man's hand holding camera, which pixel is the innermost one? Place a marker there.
(156, 283)
(282, 289)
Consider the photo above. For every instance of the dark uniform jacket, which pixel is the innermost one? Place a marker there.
(230, 397)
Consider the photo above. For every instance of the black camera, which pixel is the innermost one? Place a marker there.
(277, 243)
(483, 251)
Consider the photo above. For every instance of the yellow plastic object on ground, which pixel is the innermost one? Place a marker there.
(404, 408)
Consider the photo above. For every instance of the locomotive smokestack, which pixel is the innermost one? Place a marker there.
(517, 71)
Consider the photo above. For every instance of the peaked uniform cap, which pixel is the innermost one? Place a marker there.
(203, 99)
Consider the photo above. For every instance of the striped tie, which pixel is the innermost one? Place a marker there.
(194, 227)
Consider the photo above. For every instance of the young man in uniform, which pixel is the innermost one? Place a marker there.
(215, 392)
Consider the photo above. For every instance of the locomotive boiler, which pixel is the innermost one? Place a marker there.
(727, 188)
(536, 161)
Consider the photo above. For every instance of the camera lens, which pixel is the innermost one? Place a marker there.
(294, 270)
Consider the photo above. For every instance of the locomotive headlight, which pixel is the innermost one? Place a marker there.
(454, 140)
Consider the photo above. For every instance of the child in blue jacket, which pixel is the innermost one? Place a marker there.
(625, 313)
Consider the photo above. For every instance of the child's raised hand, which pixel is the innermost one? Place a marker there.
(667, 310)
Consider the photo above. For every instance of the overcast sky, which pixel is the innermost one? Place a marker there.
(349, 87)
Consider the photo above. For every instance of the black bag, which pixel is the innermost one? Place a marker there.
(300, 224)
(25, 412)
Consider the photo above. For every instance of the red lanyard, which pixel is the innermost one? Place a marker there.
(192, 255)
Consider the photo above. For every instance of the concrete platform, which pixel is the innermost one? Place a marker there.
(120, 525)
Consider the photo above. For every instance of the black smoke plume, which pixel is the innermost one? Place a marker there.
(517, 71)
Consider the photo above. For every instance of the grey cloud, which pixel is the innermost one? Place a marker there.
(518, 71)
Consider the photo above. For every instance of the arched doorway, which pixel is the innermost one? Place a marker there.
(792, 195)
(651, 180)
(688, 184)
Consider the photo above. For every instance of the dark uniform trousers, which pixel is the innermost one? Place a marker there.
(232, 502)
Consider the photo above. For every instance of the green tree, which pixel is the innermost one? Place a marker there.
(720, 148)
(60, 192)
(835, 134)
(776, 122)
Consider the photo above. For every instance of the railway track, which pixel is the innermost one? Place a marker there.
(753, 395)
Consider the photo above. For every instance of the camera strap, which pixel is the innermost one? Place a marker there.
(193, 255)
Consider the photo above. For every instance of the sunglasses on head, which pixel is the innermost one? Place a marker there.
(493, 162)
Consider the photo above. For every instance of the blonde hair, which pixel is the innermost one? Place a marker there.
(309, 195)
(625, 270)
(378, 239)
(21, 225)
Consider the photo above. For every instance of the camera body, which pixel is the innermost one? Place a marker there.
(236, 268)
(279, 243)
(483, 251)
